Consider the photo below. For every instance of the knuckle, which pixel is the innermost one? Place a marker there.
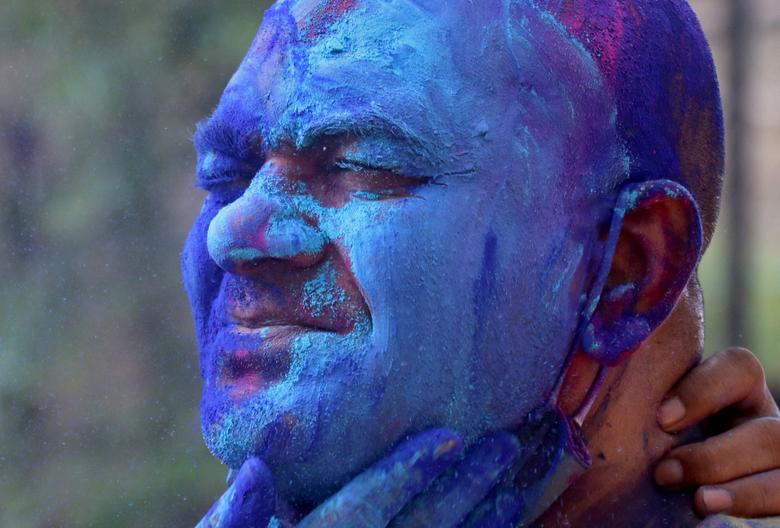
(763, 499)
(745, 361)
(698, 461)
(707, 460)
(770, 426)
(757, 495)
(768, 430)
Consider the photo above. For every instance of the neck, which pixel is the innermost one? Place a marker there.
(640, 507)
(624, 438)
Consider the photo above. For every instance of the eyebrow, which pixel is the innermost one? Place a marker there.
(245, 143)
(214, 134)
(360, 125)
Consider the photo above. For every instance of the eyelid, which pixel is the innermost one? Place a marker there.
(225, 180)
(216, 168)
(357, 165)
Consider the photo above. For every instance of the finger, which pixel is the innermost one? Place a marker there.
(753, 496)
(503, 507)
(749, 448)
(451, 498)
(248, 503)
(733, 377)
(375, 496)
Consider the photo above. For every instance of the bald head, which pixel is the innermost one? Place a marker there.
(655, 60)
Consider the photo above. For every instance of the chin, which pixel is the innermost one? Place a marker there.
(313, 444)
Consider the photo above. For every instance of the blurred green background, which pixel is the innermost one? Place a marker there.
(99, 379)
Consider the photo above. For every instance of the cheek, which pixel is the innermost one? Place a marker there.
(531, 324)
(200, 274)
(416, 263)
(189, 262)
(437, 283)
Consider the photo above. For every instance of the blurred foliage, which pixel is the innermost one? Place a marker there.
(762, 313)
(98, 372)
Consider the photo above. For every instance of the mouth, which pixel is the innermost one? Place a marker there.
(254, 358)
(263, 323)
(261, 316)
(251, 312)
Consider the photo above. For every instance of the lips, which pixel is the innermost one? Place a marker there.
(254, 349)
(260, 316)
(252, 360)
(315, 299)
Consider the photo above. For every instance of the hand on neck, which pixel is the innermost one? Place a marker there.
(621, 429)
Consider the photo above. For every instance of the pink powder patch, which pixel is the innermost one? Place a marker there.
(601, 33)
(323, 17)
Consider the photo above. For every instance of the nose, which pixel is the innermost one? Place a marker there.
(262, 225)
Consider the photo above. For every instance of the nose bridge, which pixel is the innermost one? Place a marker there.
(263, 223)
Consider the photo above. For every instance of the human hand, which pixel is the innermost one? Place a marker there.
(373, 498)
(425, 482)
(249, 502)
(504, 480)
(736, 469)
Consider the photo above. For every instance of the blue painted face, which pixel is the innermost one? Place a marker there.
(389, 243)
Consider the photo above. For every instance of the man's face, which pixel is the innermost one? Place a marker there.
(385, 247)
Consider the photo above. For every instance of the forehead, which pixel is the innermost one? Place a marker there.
(317, 18)
(363, 29)
(313, 62)
(448, 73)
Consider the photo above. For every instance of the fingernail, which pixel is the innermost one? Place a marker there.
(716, 500)
(671, 412)
(669, 472)
(446, 447)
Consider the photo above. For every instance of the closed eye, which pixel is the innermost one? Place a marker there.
(360, 166)
(215, 170)
(371, 182)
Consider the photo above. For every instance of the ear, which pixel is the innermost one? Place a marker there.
(651, 251)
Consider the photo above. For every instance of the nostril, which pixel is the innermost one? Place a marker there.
(260, 266)
(250, 267)
(306, 260)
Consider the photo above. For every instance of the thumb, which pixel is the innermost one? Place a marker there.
(248, 503)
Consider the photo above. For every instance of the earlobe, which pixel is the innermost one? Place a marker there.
(651, 251)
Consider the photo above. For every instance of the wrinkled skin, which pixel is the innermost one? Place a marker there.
(396, 491)
(728, 390)
(334, 312)
(736, 469)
